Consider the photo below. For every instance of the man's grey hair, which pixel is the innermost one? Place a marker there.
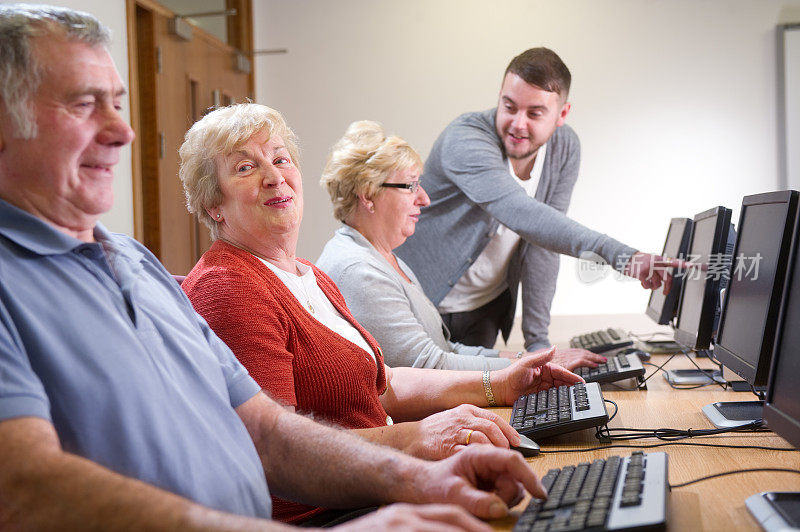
(19, 73)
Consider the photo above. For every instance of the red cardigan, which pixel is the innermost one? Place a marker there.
(295, 358)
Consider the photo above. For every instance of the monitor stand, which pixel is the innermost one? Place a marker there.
(725, 415)
(775, 510)
(695, 377)
(688, 377)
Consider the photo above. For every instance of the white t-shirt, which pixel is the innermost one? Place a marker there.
(305, 289)
(485, 280)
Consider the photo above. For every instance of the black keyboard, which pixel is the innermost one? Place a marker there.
(559, 410)
(602, 341)
(610, 494)
(616, 368)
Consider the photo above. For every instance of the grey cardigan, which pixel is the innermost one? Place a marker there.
(472, 192)
(397, 313)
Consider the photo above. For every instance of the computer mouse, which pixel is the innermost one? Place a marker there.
(526, 446)
(643, 355)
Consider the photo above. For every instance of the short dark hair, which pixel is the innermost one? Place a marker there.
(542, 67)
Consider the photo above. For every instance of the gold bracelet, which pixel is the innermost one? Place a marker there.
(487, 389)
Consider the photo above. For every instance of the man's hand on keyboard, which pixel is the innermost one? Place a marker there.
(444, 433)
(485, 480)
(652, 270)
(529, 375)
(573, 357)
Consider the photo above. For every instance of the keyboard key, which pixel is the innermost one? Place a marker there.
(596, 519)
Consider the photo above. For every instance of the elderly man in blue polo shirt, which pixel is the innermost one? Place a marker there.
(119, 408)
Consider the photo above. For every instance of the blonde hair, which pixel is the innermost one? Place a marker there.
(221, 132)
(360, 162)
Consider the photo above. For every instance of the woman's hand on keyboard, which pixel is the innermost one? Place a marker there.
(574, 357)
(485, 480)
(445, 433)
(529, 375)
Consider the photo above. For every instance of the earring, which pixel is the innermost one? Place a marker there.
(371, 207)
(219, 216)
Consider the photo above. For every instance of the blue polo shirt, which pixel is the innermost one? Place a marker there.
(98, 339)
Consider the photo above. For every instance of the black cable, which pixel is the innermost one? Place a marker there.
(664, 444)
(735, 472)
(679, 386)
(667, 434)
(719, 368)
(762, 396)
(674, 386)
(662, 365)
(616, 409)
(664, 434)
(658, 368)
(713, 358)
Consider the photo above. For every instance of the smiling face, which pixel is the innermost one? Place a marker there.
(527, 116)
(262, 194)
(397, 209)
(64, 175)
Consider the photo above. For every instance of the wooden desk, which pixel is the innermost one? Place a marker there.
(716, 504)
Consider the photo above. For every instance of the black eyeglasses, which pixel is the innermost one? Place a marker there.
(413, 186)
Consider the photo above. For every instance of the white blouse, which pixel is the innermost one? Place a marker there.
(305, 289)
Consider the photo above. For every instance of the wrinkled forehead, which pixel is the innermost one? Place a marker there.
(262, 142)
(72, 66)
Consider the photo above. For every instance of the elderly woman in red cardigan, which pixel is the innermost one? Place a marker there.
(288, 323)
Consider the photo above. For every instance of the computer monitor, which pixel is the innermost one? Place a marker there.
(749, 316)
(662, 308)
(698, 304)
(782, 402)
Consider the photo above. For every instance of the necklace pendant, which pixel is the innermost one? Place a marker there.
(310, 307)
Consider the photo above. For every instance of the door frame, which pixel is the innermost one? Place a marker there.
(144, 121)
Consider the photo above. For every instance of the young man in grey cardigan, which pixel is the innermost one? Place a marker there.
(500, 182)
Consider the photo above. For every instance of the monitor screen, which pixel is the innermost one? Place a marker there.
(752, 300)
(700, 293)
(661, 308)
(782, 409)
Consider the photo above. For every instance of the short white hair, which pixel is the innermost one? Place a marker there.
(221, 132)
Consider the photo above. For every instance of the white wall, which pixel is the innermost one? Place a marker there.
(674, 100)
(789, 80)
(112, 14)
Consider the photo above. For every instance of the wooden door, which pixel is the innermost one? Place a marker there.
(176, 82)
